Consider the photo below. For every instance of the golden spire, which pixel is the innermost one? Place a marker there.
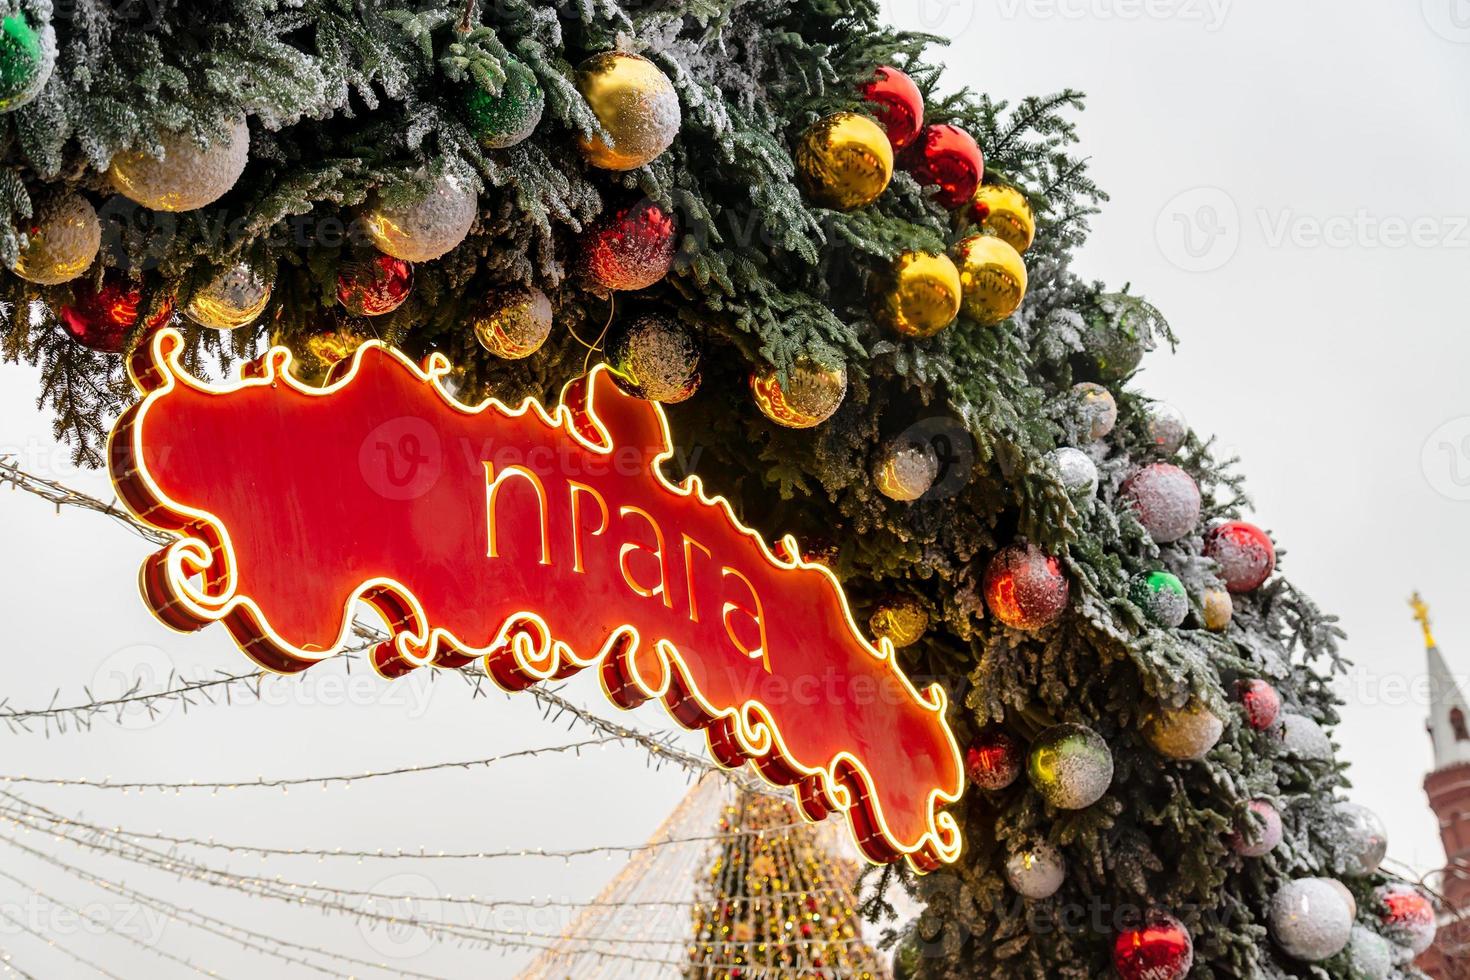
(1421, 613)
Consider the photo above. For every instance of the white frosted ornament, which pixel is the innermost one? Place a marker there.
(1262, 838)
(1184, 734)
(1408, 916)
(1077, 471)
(1036, 872)
(1165, 499)
(1071, 766)
(1096, 408)
(62, 240)
(1303, 738)
(187, 175)
(232, 299)
(1370, 956)
(1309, 920)
(1362, 843)
(906, 470)
(425, 228)
(1166, 427)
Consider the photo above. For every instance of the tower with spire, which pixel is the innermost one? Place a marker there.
(1448, 789)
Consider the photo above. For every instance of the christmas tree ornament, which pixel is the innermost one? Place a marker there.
(631, 248)
(1370, 956)
(811, 393)
(422, 228)
(317, 351)
(1309, 920)
(1167, 429)
(232, 299)
(1407, 916)
(1070, 766)
(844, 161)
(1025, 587)
(503, 119)
(637, 106)
(1162, 598)
(1158, 948)
(513, 323)
(371, 284)
(898, 104)
(905, 470)
(1005, 213)
(1076, 470)
(62, 239)
(1218, 608)
(992, 278)
(1244, 553)
(1184, 734)
(921, 296)
(1258, 838)
(1165, 499)
(1096, 408)
(1303, 738)
(26, 59)
(1260, 702)
(186, 176)
(1362, 841)
(654, 357)
(900, 619)
(993, 760)
(1036, 872)
(946, 157)
(1347, 896)
(101, 318)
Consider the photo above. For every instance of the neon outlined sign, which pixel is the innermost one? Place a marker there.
(542, 543)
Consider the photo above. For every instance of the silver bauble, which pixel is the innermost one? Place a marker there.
(1036, 872)
(1096, 409)
(905, 470)
(1363, 841)
(1370, 956)
(424, 228)
(1303, 738)
(187, 175)
(1309, 920)
(232, 299)
(1167, 429)
(1077, 471)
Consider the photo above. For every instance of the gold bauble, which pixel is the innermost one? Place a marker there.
(812, 392)
(232, 299)
(902, 619)
(316, 352)
(61, 240)
(636, 104)
(922, 295)
(1186, 733)
(423, 228)
(905, 470)
(844, 161)
(1005, 213)
(187, 175)
(992, 276)
(1219, 609)
(514, 323)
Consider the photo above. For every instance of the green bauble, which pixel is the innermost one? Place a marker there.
(25, 64)
(503, 120)
(1119, 333)
(1162, 598)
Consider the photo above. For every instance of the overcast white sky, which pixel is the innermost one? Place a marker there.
(1288, 185)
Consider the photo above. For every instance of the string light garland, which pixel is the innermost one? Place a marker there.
(10, 968)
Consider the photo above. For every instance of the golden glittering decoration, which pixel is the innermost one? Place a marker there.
(901, 619)
(844, 161)
(637, 106)
(231, 300)
(315, 353)
(1005, 213)
(1219, 608)
(992, 276)
(921, 296)
(1185, 733)
(187, 175)
(812, 392)
(61, 241)
(514, 323)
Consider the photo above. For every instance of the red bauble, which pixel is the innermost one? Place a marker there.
(1261, 702)
(949, 157)
(1245, 554)
(900, 105)
(1408, 916)
(632, 248)
(102, 318)
(994, 760)
(1025, 587)
(1165, 499)
(374, 284)
(1159, 949)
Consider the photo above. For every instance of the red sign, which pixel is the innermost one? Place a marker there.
(542, 543)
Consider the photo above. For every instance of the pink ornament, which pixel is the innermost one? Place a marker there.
(1261, 703)
(1244, 553)
(1258, 841)
(1165, 499)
